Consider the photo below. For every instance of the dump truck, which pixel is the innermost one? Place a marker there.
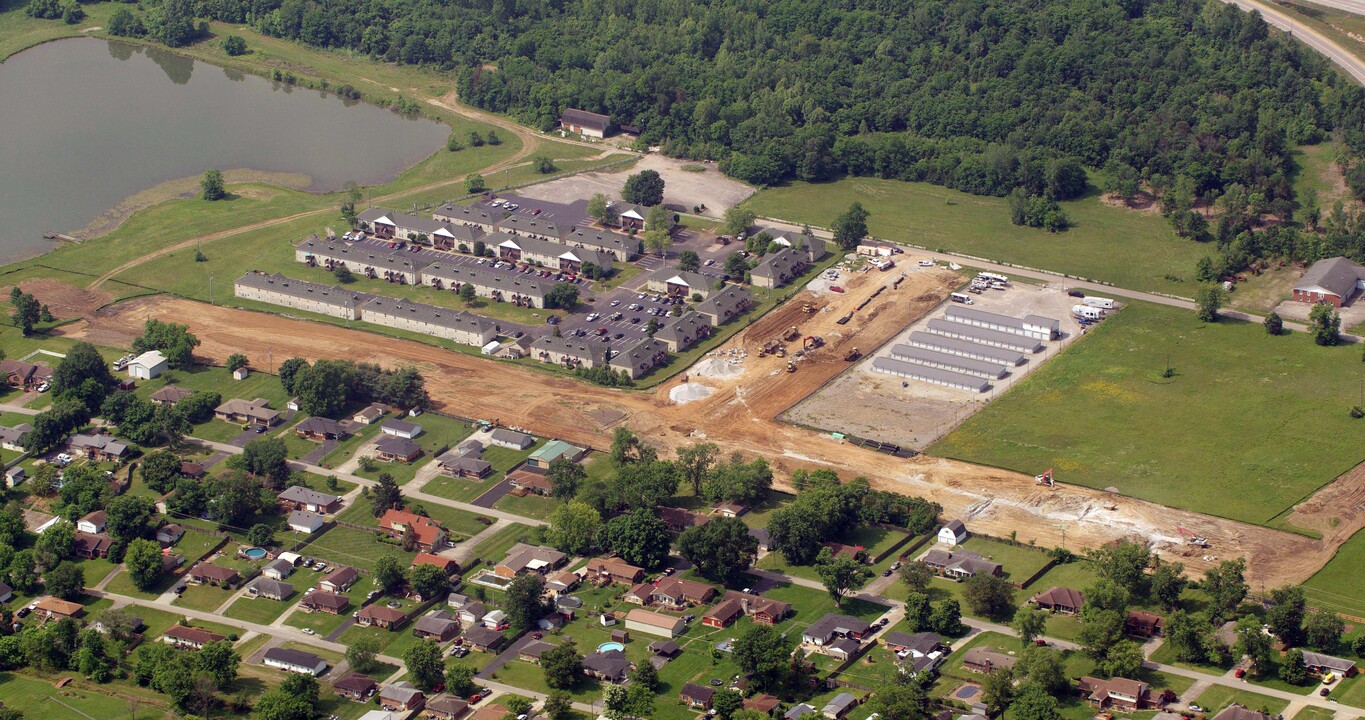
(852, 355)
(791, 334)
(807, 308)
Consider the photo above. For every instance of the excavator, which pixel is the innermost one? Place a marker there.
(812, 342)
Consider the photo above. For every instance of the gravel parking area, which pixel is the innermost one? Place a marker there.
(683, 189)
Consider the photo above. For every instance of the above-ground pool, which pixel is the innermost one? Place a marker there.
(609, 646)
(254, 553)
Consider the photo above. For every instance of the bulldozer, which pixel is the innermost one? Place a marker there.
(791, 334)
(852, 355)
(791, 366)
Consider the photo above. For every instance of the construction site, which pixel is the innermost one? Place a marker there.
(734, 396)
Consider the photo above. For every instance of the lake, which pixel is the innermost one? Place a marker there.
(85, 123)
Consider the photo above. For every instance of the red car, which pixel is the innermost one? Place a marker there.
(836, 288)
(1241, 672)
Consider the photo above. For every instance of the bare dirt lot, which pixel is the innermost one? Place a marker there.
(683, 190)
(914, 414)
(739, 416)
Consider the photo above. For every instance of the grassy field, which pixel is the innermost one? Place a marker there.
(1218, 697)
(1132, 249)
(1101, 414)
(354, 547)
(1314, 713)
(1337, 585)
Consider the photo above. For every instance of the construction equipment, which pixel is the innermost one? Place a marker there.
(769, 348)
(811, 342)
(1045, 479)
(781, 351)
(807, 308)
(791, 366)
(852, 355)
(791, 334)
(1191, 538)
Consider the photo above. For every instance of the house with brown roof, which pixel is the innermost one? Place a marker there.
(765, 611)
(429, 534)
(731, 509)
(170, 395)
(697, 696)
(532, 651)
(639, 595)
(189, 637)
(381, 616)
(340, 580)
(614, 570)
(1118, 693)
(529, 558)
(1060, 600)
(527, 480)
(723, 613)
(370, 414)
(483, 639)
(215, 575)
(981, 660)
(249, 412)
(89, 546)
(1143, 624)
(445, 707)
(355, 687)
(678, 519)
(1239, 712)
(762, 703)
(52, 607)
(327, 602)
(447, 565)
(677, 593)
(26, 376)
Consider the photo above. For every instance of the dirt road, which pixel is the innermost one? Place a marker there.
(739, 416)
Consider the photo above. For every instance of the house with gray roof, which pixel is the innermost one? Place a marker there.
(778, 269)
(97, 447)
(839, 706)
(511, 439)
(544, 253)
(959, 563)
(522, 290)
(809, 246)
(582, 122)
(569, 352)
(270, 589)
(300, 497)
(638, 359)
(305, 522)
(468, 464)
(1332, 281)
(296, 661)
(12, 438)
(684, 331)
(279, 289)
(454, 325)
(1322, 664)
(725, 305)
(680, 283)
(319, 428)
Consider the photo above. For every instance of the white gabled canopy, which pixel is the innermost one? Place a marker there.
(509, 244)
(444, 233)
(570, 257)
(384, 220)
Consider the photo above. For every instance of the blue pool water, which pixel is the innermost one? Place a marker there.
(255, 553)
(609, 646)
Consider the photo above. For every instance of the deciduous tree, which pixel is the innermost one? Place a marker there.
(721, 549)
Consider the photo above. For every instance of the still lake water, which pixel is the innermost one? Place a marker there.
(85, 123)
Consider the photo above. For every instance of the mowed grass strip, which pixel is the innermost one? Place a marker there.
(1337, 585)
(1249, 424)
(1131, 249)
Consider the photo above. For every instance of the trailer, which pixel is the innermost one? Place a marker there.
(1099, 302)
(993, 276)
(1086, 312)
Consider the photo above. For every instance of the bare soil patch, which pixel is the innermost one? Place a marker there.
(64, 300)
(683, 189)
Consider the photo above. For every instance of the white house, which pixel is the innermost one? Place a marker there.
(401, 428)
(93, 523)
(147, 365)
(303, 521)
(15, 476)
(240, 373)
(295, 661)
(952, 533)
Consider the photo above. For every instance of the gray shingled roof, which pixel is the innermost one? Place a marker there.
(326, 294)
(421, 312)
(1337, 275)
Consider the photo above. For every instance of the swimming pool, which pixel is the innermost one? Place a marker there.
(254, 553)
(609, 646)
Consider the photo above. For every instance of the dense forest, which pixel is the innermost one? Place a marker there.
(1192, 100)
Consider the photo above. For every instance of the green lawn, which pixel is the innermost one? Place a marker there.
(1218, 697)
(494, 547)
(1314, 713)
(531, 506)
(1350, 691)
(1337, 585)
(1100, 413)
(1131, 249)
(38, 698)
(354, 547)
(264, 611)
(1019, 562)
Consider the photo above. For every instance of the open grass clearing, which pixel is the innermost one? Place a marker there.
(1081, 413)
(345, 546)
(1337, 585)
(1218, 697)
(1129, 248)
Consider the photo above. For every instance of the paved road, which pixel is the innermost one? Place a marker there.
(1350, 6)
(1310, 37)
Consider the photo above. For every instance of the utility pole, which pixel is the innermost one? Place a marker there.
(210, 288)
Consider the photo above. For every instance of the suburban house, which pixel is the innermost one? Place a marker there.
(400, 428)
(12, 438)
(684, 331)
(51, 607)
(1118, 693)
(270, 589)
(510, 439)
(355, 687)
(679, 283)
(954, 533)
(467, 464)
(529, 558)
(1332, 281)
(959, 563)
(456, 326)
(981, 660)
(445, 707)
(340, 580)
(848, 552)
(381, 616)
(554, 450)
(369, 414)
(319, 429)
(731, 509)
(1059, 599)
(569, 352)
(495, 620)
(762, 703)
(389, 448)
(678, 594)
(1238, 712)
(764, 611)
(678, 519)
(527, 480)
(305, 522)
(653, 623)
(169, 534)
(614, 570)
(697, 696)
(471, 613)
(778, 269)
(723, 613)
(93, 523)
(798, 711)
(296, 661)
(837, 635)
(839, 706)
(438, 625)
(25, 376)
(544, 253)
(327, 602)
(189, 637)
(724, 305)
(638, 359)
(482, 639)
(170, 395)
(429, 533)
(1143, 624)
(582, 122)
(922, 651)
(278, 569)
(216, 575)
(610, 666)
(254, 412)
(100, 448)
(279, 289)
(447, 565)
(665, 648)
(560, 583)
(1320, 664)
(88, 546)
(298, 497)
(148, 365)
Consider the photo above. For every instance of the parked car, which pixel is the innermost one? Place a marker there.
(1075, 293)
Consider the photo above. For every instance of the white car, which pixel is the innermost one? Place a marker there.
(926, 263)
(44, 387)
(641, 296)
(309, 631)
(615, 303)
(592, 317)
(63, 459)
